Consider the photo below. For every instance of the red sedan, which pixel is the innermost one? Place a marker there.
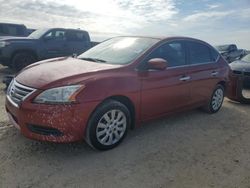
(115, 86)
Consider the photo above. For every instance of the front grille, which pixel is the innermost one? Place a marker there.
(17, 92)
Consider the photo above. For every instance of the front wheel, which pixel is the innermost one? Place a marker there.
(216, 100)
(108, 125)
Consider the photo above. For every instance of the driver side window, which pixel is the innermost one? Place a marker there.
(172, 52)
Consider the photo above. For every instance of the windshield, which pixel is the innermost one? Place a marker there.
(119, 50)
(38, 33)
(246, 58)
(222, 48)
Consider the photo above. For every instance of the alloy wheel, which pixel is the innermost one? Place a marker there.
(217, 99)
(111, 127)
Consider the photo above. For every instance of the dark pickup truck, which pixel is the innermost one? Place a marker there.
(10, 29)
(18, 52)
(230, 52)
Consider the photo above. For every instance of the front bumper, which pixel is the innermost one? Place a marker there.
(238, 81)
(52, 123)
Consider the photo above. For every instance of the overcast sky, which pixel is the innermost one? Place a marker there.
(217, 22)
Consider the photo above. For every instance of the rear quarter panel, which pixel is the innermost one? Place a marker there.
(203, 83)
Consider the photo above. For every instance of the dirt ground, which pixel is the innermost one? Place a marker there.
(189, 150)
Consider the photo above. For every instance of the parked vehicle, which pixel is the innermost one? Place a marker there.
(18, 52)
(239, 80)
(242, 67)
(9, 29)
(230, 52)
(29, 31)
(114, 86)
(236, 90)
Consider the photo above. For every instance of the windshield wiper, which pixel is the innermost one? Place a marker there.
(93, 59)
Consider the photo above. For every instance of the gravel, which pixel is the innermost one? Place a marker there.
(191, 149)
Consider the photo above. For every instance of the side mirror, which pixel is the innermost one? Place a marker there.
(157, 64)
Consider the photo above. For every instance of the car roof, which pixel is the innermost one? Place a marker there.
(163, 38)
(68, 29)
(226, 45)
(181, 38)
(1, 23)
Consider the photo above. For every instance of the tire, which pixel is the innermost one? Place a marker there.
(21, 60)
(243, 85)
(216, 100)
(108, 125)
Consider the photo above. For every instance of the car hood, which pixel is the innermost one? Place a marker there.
(46, 73)
(5, 37)
(10, 39)
(242, 66)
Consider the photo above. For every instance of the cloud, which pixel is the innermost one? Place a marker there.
(244, 13)
(126, 9)
(213, 6)
(200, 16)
(238, 37)
(115, 16)
(151, 11)
(204, 19)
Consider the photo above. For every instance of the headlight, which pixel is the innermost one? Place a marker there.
(66, 94)
(4, 43)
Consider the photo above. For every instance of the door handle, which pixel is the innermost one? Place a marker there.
(185, 78)
(214, 73)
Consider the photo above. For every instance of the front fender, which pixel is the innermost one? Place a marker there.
(98, 89)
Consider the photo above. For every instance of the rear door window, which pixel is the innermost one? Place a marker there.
(199, 53)
(215, 55)
(76, 36)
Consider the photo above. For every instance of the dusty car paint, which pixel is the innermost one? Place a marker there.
(152, 94)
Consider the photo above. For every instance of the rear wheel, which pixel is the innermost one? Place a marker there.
(108, 125)
(21, 60)
(216, 100)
